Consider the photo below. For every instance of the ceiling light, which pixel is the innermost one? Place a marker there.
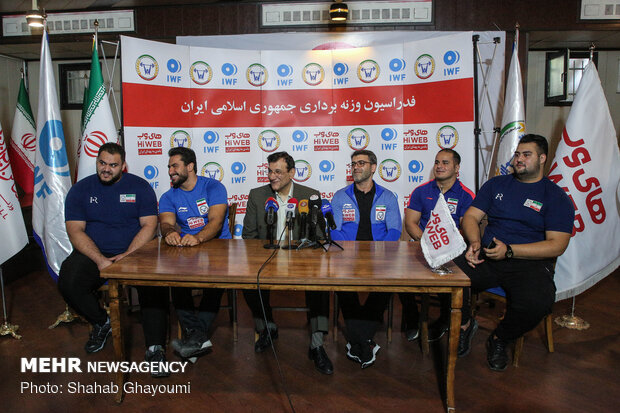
(34, 17)
(338, 11)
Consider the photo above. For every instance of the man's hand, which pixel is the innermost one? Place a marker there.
(104, 263)
(498, 252)
(173, 238)
(472, 254)
(189, 240)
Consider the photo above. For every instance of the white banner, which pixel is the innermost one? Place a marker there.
(51, 173)
(586, 167)
(12, 225)
(441, 241)
(234, 107)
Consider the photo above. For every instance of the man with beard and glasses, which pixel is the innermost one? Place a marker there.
(193, 211)
(530, 221)
(364, 211)
(421, 203)
(108, 216)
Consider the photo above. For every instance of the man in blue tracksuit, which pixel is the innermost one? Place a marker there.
(364, 211)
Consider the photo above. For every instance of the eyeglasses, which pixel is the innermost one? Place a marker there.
(359, 163)
(277, 172)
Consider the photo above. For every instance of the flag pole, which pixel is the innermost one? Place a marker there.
(572, 321)
(6, 328)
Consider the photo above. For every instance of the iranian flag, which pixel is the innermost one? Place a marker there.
(97, 123)
(23, 145)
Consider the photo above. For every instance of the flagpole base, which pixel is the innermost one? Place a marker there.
(6, 329)
(572, 322)
(65, 317)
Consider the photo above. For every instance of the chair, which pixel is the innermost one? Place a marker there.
(498, 294)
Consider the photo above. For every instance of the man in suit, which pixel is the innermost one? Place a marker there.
(281, 170)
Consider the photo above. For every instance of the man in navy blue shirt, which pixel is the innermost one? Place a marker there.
(421, 203)
(193, 211)
(530, 221)
(109, 215)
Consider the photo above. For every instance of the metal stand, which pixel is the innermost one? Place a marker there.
(6, 328)
(329, 241)
(572, 321)
(65, 317)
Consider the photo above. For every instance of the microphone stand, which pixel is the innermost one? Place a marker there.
(289, 225)
(329, 241)
(270, 245)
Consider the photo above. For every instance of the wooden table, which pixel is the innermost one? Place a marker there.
(361, 266)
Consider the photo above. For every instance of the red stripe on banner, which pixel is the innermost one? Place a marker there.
(166, 106)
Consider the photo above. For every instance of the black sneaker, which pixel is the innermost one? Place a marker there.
(369, 353)
(497, 358)
(263, 341)
(195, 343)
(436, 330)
(98, 336)
(466, 336)
(354, 351)
(157, 356)
(412, 334)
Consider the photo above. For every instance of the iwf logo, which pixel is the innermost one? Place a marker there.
(389, 170)
(93, 142)
(424, 66)
(147, 67)
(200, 72)
(313, 74)
(151, 172)
(53, 150)
(368, 71)
(358, 138)
(303, 171)
(180, 138)
(256, 75)
(212, 170)
(447, 137)
(269, 140)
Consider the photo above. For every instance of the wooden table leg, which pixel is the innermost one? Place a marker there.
(117, 337)
(424, 325)
(453, 343)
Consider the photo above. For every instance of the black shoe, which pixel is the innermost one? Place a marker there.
(194, 344)
(321, 361)
(436, 330)
(466, 336)
(98, 336)
(412, 334)
(369, 353)
(497, 358)
(157, 356)
(263, 341)
(354, 352)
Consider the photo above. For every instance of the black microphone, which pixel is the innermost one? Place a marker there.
(271, 207)
(315, 208)
(326, 207)
(303, 217)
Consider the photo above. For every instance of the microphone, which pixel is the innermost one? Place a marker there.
(303, 217)
(290, 212)
(326, 207)
(315, 207)
(271, 207)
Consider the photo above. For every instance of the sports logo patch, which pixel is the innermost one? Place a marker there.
(203, 208)
(535, 205)
(130, 198)
(195, 222)
(380, 213)
(348, 215)
(452, 204)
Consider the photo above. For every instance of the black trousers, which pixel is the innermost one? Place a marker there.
(529, 286)
(78, 283)
(194, 318)
(317, 302)
(362, 321)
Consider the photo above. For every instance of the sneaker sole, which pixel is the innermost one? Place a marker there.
(471, 337)
(350, 356)
(370, 362)
(187, 353)
(105, 339)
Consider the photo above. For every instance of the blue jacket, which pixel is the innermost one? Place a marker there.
(385, 217)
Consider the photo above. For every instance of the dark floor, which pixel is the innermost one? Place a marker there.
(581, 376)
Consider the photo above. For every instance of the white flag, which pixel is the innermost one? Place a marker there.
(586, 166)
(97, 123)
(12, 227)
(441, 240)
(51, 172)
(513, 117)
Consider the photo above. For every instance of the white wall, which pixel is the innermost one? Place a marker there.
(549, 121)
(9, 89)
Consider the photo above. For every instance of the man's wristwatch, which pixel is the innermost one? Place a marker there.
(509, 252)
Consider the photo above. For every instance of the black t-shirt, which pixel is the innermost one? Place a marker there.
(364, 203)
